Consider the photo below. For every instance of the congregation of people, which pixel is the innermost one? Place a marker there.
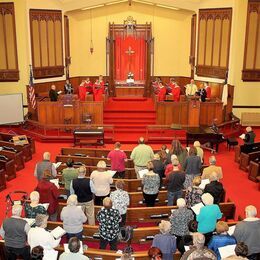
(194, 235)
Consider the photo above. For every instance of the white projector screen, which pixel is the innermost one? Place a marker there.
(11, 109)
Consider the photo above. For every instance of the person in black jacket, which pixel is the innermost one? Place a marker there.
(215, 188)
(53, 94)
(249, 136)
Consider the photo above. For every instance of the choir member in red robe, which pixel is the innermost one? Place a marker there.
(89, 86)
(98, 91)
(208, 89)
(82, 91)
(176, 92)
(102, 83)
(162, 92)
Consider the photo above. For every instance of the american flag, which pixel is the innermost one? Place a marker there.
(32, 98)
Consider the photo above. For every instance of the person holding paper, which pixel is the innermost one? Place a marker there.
(74, 251)
(118, 159)
(101, 180)
(151, 185)
(120, 200)
(33, 208)
(38, 236)
(45, 164)
(53, 93)
(73, 218)
(69, 174)
(199, 251)
(14, 231)
(84, 189)
(208, 216)
(194, 193)
(109, 220)
(241, 252)
(49, 193)
(222, 238)
(248, 231)
(191, 89)
(249, 136)
(212, 168)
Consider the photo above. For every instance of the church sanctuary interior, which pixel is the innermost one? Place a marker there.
(152, 102)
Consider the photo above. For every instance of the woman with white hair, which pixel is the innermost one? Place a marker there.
(38, 236)
(199, 251)
(101, 180)
(33, 208)
(180, 219)
(208, 216)
(165, 241)
(169, 167)
(200, 152)
(249, 136)
(73, 218)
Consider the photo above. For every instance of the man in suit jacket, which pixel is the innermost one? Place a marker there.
(212, 168)
(53, 94)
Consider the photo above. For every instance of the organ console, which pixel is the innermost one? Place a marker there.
(90, 136)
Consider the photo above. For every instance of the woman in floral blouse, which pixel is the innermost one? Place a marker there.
(108, 219)
(194, 193)
(33, 208)
(151, 185)
(120, 200)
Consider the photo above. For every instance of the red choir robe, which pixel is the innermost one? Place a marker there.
(89, 87)
(82, 91)
(98, 91)
(208, 90)
(176, 92)
(162, 93)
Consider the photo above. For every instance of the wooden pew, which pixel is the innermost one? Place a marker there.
(87, 160)
(9, 167)
(26, 150)
(2, 179)
(245, 159)
(254, 170)
(156, 214)
(129, 172)
(17, 157)
(7, 137)
(246, 148)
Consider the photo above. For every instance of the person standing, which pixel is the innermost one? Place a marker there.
(14, 231)
(98, 91)
(53, 93)
(69, 174)
(84, 189)
(118, 159)
(141, 155)
(162, 92)
(68, 89)
(191, 89)
(208, 89)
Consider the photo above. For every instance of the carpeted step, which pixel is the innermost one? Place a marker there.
(132, 99)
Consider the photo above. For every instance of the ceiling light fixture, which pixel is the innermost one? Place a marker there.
(168, 7)
(117, 2)
(142, 2)
(92, 7)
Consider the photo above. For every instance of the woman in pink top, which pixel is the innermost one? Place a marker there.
(118, 159)
(169, 167)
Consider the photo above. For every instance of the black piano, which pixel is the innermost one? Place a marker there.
(90, 136)
(203, 135)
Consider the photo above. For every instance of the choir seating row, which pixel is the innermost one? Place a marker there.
(156, 214)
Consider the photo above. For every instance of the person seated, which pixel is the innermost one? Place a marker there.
(68, 89)
(33, 208)
(49, 193)
(165, 241)
(154, 253)
(208, 216)
(161, 92)
(180, 219)
(43, 165)
(39, 236)
(74, 253)
(200, 152)
(37, 253)
(212, 168)
(118, 159)
(14, 231)
(53, 94)
(151, 185)
(68, 174)
(248, 231)
(199, 251)
(208, 89)
(109, 226)
(175, 181)
(249, 136)
(120, 200)
(194, 193)
(73, 218)
(101, 180)
(222, 238)
(215, 188)
(158, 166)
(241, 252)
(191, 89)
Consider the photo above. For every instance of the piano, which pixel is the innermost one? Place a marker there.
(203, 135)
(90, 136)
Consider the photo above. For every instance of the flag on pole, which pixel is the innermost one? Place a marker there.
(31, 92)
